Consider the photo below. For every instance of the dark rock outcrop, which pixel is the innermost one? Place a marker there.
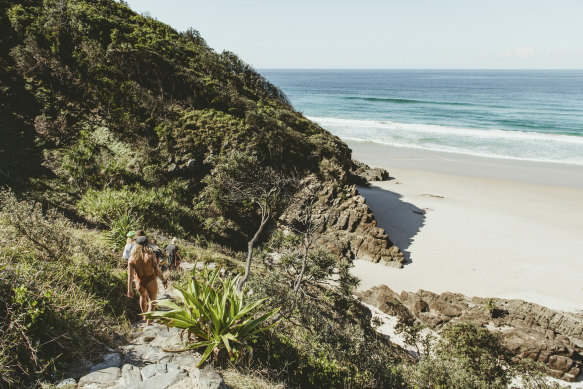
(362, 174)
(387, 301)
(350, 228)
(528, 330)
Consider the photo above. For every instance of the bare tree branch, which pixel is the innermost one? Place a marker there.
(240, 181)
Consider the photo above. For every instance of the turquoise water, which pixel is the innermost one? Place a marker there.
(528, 115)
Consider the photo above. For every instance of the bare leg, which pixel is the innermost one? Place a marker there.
(152, 290)
(143, 300)
(143, 297)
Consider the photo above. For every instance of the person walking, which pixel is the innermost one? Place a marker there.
(143, 267)
(130, 243)
(173, 254)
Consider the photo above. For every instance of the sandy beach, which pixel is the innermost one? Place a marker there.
(478, 226)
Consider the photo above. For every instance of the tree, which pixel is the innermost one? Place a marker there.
(412, 331)
(466, 356)
(307, 222)
(240, 183)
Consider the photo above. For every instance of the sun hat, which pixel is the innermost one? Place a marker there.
(131, 234)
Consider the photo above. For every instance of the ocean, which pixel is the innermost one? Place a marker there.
(517, 114)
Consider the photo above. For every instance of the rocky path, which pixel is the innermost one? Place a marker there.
(143, 363)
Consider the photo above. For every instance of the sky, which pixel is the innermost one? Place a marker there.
(384, 34)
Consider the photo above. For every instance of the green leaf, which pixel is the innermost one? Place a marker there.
(206, 353)
(215, 312)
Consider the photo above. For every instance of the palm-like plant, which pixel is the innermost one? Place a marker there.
(214, 314)
(124, 222)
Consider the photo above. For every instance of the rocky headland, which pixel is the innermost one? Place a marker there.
(352, 231)
(528, 330)
(347, 225)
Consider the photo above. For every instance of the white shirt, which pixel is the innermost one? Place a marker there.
(127, 250)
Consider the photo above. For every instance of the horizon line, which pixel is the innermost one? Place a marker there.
(506, 69)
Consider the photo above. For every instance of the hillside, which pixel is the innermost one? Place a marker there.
(114, 121)
(97, 96)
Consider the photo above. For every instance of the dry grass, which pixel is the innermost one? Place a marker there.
(62, 294)
(248, 380)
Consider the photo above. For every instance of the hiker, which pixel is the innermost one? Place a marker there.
(130, 243)
(143, 265)
(173, 255)
(157, 250)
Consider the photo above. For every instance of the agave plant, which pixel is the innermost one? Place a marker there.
(213, 314)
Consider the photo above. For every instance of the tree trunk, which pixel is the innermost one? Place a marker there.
(304, 261)
(250, 245)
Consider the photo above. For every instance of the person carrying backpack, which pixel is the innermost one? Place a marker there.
(173, 255)
(157, 250)
(143, 268)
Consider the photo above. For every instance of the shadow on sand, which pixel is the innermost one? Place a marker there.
(401, 220)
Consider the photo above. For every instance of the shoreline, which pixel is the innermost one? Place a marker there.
(490, 229)
(465, 165)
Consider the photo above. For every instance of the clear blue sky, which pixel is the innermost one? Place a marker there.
(451, 34)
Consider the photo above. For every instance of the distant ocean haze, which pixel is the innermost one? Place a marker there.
(528, 115)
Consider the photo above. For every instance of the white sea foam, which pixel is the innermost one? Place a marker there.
(494, 143)
(437, 129)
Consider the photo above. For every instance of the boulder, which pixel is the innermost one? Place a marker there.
(143, 354)
(387, 301)
(362, 174)
(101, 378)
(164, 380)
(208, 379)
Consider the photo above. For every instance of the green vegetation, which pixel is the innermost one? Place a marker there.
(152, 208)
(112, 121)
(411, 330)
(239, 185)
(96, 97)
(61, 296)
(470, 356)
(215, 314)
(324, 338)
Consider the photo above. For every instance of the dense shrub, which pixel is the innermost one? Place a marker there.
(99, 159)
(325, 338)
(120, 226)
(45, 235)
(468, 356)
(58, 303)
(155, 207)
